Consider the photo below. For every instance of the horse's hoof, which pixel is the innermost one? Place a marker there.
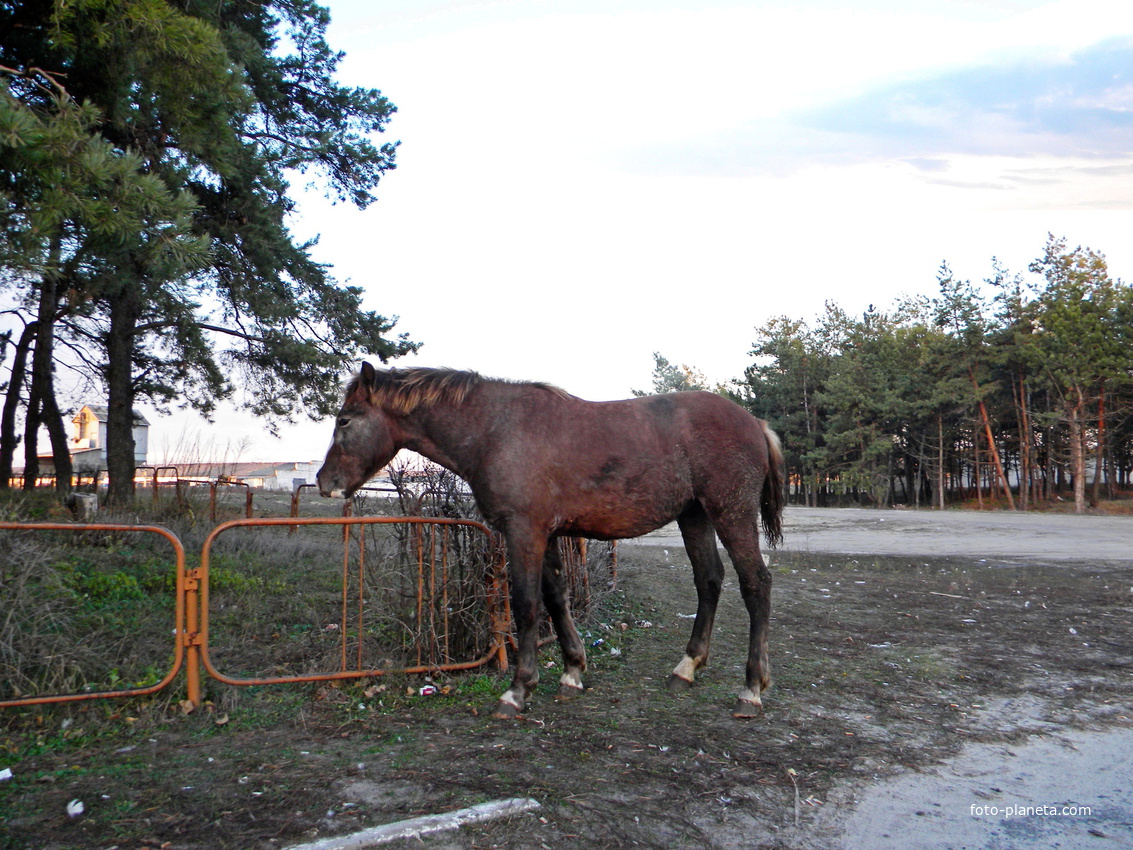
(569, 691)
(679, 684)
(570, 684)
(745, 709)
(506, 711)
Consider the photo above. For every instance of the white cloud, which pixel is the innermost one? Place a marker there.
(583, 183)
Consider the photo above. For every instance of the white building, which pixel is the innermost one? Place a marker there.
(267, 476)
(88, 446)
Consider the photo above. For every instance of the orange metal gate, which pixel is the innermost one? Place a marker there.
(432, 557)
(432, 561)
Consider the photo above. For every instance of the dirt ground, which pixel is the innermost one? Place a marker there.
(930, 667)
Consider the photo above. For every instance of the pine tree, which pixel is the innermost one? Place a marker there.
(1082, 339)
(220, 104)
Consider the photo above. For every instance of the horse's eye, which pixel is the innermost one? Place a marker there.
(343, 422)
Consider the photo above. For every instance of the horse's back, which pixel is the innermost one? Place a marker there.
(636, 464)
(709, 427)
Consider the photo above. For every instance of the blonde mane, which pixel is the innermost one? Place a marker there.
(404, 390)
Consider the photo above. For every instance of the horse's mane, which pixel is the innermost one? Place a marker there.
(404, 390)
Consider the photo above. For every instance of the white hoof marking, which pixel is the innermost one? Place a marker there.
(747, 695)
(512, 698)
(571, 679)
(686, 669)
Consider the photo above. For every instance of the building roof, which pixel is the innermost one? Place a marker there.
(101, 412)
(252, 469)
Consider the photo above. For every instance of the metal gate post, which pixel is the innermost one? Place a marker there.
(190, 637)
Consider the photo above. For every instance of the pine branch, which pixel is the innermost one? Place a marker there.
(33, 74)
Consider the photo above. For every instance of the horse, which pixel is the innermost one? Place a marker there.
(542, 463)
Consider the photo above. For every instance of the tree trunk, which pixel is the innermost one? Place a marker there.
(31, 458)
(1110, 471)
(1049, 467)
(1095, 493)
(42, 393)
(125, 311)
(811, 492)
(9, 440)
(976, 467)
(1025, 441)
(1004, 483)
(940, 460)
(1077, 448)
(57, 431)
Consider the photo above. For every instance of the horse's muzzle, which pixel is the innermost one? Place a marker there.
(328, 487)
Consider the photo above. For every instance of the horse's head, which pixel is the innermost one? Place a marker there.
(363, 441)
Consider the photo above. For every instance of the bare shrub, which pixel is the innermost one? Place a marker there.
(428, 586)
(427, 489)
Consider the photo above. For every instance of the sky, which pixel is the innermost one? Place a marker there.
(581, 184)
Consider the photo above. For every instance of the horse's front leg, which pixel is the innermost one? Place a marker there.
(525, 568)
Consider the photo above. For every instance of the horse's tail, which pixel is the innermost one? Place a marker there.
(774, 496)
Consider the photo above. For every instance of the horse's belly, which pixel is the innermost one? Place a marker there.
(618, 522)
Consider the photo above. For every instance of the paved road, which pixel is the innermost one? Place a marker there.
(999, 535)
(1024, 796)
(1071, 789)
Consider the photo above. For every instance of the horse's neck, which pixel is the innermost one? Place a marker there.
(450, 435)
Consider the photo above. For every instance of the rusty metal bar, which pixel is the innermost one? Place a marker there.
(299, 487)
(221, 482)
(181, 642)
(193, 637)
(157, 470)
(432, 598)
(361, 590)
(420, 586)
(444, 590)
(345, 579)
(295, 502)
(152, 470)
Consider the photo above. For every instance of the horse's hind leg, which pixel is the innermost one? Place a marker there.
(740, 535)
(557, 601)
(708, 573)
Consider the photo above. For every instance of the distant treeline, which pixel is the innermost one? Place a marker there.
(1013, 394)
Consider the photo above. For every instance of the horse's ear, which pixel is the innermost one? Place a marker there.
(369, 375)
